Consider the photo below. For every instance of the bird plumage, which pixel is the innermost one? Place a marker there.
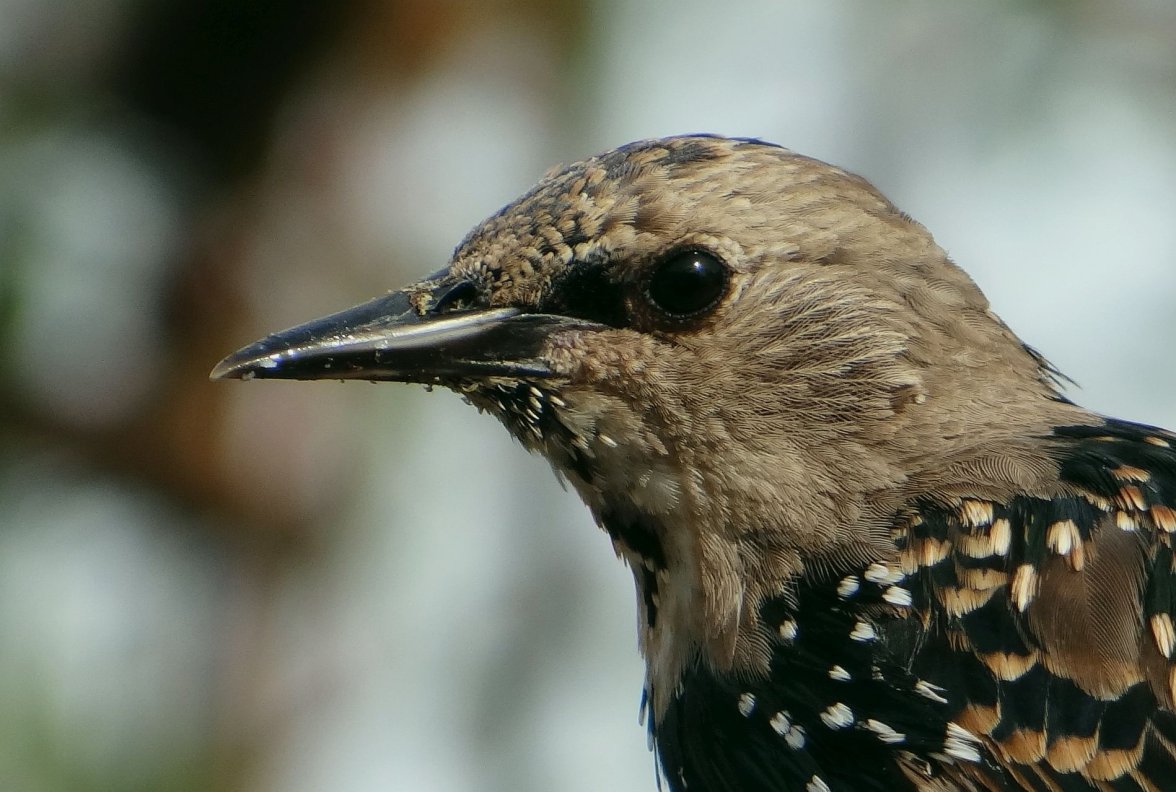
(874, 545)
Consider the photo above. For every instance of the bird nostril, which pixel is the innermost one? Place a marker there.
(463, 296)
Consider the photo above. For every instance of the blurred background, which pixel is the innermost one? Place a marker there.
(296, 586)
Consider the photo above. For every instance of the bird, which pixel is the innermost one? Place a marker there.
(875, 545)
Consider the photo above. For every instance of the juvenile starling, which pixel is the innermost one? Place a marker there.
(875, 547)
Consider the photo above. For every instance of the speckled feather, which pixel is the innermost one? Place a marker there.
(874, 546)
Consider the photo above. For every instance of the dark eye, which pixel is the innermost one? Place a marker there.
(686, 284)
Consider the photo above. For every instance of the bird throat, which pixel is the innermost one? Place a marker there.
(635, 498)
(637, 538)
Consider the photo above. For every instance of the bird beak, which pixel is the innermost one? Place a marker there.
(389, 339)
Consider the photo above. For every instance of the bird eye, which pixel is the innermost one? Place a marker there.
(687, 283)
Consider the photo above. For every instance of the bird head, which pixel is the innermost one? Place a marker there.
(739, 356)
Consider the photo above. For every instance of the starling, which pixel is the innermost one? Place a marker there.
(875, 547)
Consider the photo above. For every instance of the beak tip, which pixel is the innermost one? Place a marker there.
(226, 369)
(242, 366)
